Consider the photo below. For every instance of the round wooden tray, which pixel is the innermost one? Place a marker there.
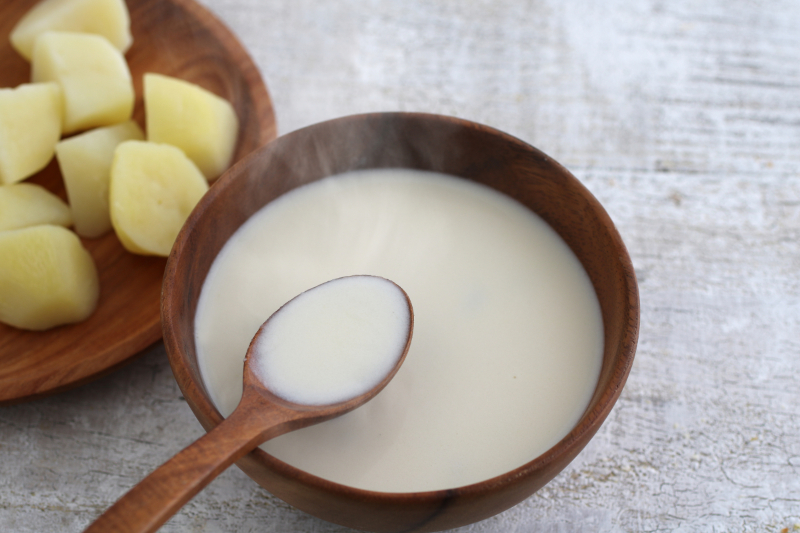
(174, 37)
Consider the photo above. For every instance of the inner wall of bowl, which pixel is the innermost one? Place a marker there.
(410, 141)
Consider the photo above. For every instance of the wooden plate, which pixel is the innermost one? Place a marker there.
(173, 37)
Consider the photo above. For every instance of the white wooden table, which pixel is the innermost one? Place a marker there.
(682, 117)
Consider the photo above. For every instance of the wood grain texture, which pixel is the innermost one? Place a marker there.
(260, 416)
(681, 117)
(152, 501)
(181, 39)
(425, 142)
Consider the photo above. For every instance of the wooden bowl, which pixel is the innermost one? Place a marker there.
(426, 142)
(174, 37)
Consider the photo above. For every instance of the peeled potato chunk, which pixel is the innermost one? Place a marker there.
(30, 126)
(109, 18)
(85, 162)
(26, 204)
(95, 80)
(195, 120)
(47, 278)
(153, 189)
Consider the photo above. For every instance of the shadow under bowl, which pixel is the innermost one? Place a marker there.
(425, 142)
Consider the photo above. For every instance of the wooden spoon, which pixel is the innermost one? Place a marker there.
(261, 414)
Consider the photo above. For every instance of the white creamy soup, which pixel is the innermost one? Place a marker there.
(334, 342)
(508, 335)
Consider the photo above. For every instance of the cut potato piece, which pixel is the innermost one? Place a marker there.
(47, 278)
(195, 120)
(153, 189)
(26, 204)
(85, 162)
(94, 78)
(109, 18)
(30, 126)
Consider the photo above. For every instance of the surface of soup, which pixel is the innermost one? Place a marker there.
(508, 334)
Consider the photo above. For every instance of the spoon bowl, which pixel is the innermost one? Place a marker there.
(265, 412)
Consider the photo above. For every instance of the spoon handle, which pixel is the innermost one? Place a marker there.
(157, 497)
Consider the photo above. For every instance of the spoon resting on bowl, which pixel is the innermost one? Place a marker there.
(324, 353)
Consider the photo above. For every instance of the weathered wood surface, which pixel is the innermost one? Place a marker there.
(682, 117)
